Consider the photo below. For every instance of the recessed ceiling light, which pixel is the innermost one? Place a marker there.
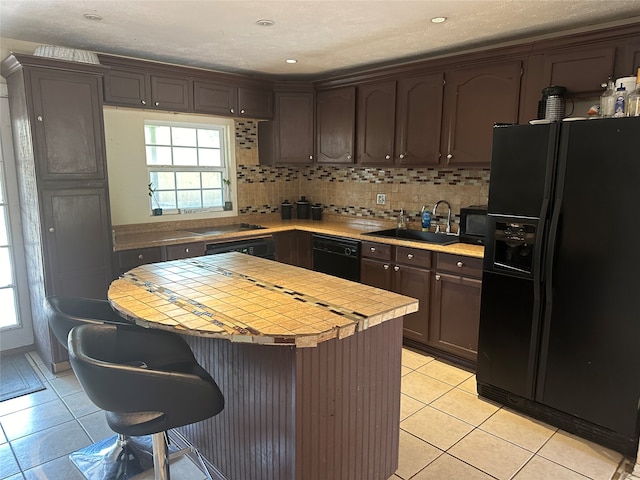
(438, 19)
(92, 16)
(291, 60)
(265, 23)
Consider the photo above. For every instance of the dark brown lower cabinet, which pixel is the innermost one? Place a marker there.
(294, 248)
(405, 271)
(455, 313)
(128, 259)
(77, 239)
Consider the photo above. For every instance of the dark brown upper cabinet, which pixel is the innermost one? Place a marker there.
(131, 88)
(475, 99)
(214, 98)
(336, 126)
(255, 102)
(68, 130)
(418, 120)
(581, 71)
(289, 139)
(376, 123)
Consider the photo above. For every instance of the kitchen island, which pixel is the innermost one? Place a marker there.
(309, 364)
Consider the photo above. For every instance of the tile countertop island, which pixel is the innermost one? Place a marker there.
(309, 363)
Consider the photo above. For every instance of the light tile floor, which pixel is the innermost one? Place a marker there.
(447, 432)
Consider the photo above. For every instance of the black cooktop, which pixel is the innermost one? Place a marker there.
(220, 229)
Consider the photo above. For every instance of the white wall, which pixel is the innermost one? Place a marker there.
(126, 164)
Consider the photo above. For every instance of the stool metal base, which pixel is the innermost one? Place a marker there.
(115, 458)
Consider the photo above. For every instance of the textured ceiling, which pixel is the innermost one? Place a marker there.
(324, 36)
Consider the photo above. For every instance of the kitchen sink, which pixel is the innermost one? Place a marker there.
(417, 236)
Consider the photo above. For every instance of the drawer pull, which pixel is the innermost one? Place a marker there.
(373, 249)
(409, 256)
(460, 264)
(51, 229)
(186, 250)
(386, 266)
(437, 277)
(396, 268)
(141, 257)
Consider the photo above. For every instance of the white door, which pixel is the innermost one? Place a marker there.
(16, 328)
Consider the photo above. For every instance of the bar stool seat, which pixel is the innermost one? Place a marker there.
(146, 380)
(120, 456)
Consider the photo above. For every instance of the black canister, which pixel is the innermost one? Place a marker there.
(303, 208)
(285, 210)
(316, 212)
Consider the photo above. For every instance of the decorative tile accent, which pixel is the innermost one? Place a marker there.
(246, 133)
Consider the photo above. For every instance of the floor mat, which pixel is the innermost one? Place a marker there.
(17, 377)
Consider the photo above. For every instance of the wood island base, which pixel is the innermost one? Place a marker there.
(330, 412)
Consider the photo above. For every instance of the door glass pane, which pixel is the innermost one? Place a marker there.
(9, 308)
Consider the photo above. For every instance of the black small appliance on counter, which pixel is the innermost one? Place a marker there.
(473, 224)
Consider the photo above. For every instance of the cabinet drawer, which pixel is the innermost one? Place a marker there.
(413, 256)
(459, 264)
(184, 250)
(128, 259)
(380, 251)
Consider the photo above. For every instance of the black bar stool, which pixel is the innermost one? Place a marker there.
(120, 456)
(146, 380)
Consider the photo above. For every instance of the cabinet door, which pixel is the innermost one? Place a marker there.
(184, 250)
(171, 93)
(418, 121)
(293, 128)
(455, 315)
(376, 123)
(336, 125)
(128, 259)
(375, 273)
(67, 123)
(416, 283)
(255, 103)
(581, 70)
(304, 249)
(126, 88)
(77, 242)
(286, 247)
(214, 98)
(475, 99)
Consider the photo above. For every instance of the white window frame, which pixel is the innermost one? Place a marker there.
(227, 169)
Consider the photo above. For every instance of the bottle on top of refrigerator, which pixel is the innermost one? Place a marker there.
(633, 100)
(608, 99)
(620, 103)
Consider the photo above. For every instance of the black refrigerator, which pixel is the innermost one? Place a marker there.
(559, 334)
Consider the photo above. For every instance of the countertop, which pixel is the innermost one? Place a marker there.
(248, 299)
(333, 225)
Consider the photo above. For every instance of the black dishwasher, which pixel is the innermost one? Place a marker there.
(336, 256)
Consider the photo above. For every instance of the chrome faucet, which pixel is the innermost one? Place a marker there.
(435, 207)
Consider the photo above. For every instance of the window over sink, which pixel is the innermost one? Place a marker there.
(188, 167)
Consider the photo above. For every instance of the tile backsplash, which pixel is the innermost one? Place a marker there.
(351, 190)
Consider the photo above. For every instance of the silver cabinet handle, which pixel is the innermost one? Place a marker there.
(437, 277)
(349, 156)
(51, 229)
(143, 102)
(39, 118)
(242, 110)
(449, 157)
(186, 250)
(373, 249)
(310, 157)
(396, 268)
(232, 110)
(402, 155)
(387, 157)
(386, 266)
(460, 264)
(157, 104)
(409, 256)
(141, 256)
